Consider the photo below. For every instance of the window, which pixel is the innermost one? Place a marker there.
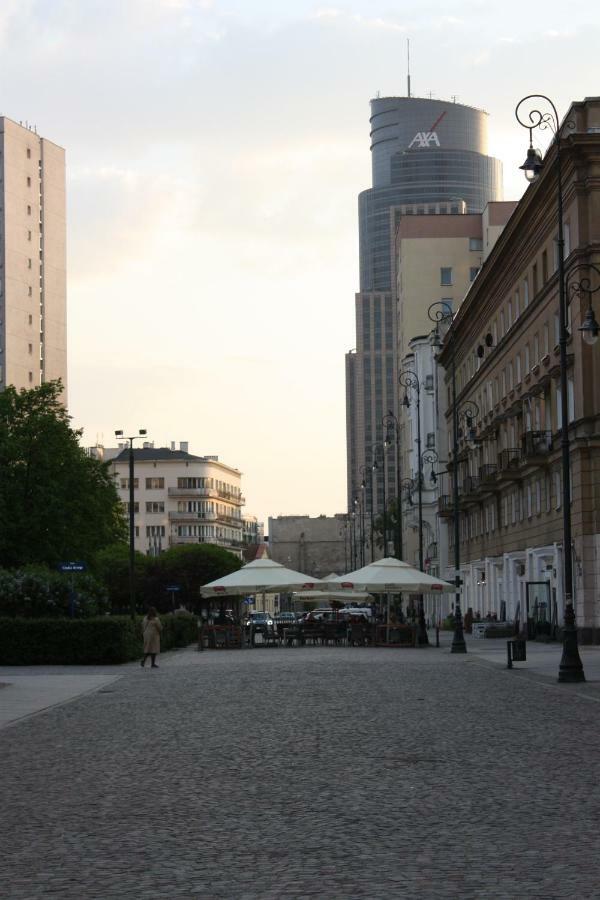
(30, 291)
(556, 329)
(518, 368)
(125, 484)
(430, 442)
(29, 263)
(527, 364)
(544, 266)
(29, 235)
(546, 338)
(446, 275)
(30, 346)
(567, 238)
(136, 507)
(29, 153)
(536, 349)
(509, 314)
(31, 320)
(525, 293)
(155, 506)
(155, 484)
(517, 306)
(28, 210)
(557, 490)
(528, 501)
(534, 279)
(31, 377)
(502, 332)
(156, 530)
(429, 382)
(538, 496)
(475, 244)
(28, 181)
(473, 270)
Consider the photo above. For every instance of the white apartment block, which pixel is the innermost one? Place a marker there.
(33, 329)
(179, 498)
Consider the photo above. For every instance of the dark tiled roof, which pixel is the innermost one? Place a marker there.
(155, 453)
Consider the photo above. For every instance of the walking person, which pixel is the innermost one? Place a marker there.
(151, 629)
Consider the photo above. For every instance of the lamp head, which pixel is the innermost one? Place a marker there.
(590, 330)
(533, 164)
(406, 401)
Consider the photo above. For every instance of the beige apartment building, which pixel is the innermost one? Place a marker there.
(33, 331)
(510, 467)
(437, 258)
(179, 498)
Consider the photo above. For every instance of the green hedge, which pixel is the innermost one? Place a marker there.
(98, 641)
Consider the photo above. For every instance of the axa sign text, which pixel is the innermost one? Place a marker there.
(424, 139)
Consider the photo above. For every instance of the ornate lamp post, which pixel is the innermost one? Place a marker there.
(440, 312)
(375, 468)
(392, 427)
(410, 382)
(141, 434)
(571, 667)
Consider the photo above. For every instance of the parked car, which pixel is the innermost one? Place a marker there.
(286, 618)
(260, 622)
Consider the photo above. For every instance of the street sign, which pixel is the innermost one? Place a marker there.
(248, 600)
(172, 587)
(72, 567)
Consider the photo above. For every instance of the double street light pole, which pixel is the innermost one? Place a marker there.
(141, 434)
(531, 118)
(392, 426)
(410, 382)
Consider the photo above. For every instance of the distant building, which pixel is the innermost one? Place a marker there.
(429, 158)
(33, 330)
(179, 498)
(314, 546)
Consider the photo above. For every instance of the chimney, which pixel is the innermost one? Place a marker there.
(173, 445)
(183, 446)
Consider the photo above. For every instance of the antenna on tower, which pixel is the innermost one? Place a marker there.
(408, 66)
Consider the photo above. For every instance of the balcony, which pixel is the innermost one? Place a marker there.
(536, 445)
(445, 506)
(192, 492)
(470, 488)
(509, 463)
(487, 476)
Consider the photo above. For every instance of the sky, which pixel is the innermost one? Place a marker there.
(215, 151)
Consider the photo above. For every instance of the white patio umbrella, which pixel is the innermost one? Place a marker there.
(390, 576)
(262, 576)
(331, 593)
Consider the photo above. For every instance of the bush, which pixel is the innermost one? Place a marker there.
(37, 592)
(95, 641)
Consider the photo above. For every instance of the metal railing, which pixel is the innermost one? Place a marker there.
(487, 473)
(536, 443)
(509, 459)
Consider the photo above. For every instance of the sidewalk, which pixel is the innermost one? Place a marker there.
(28, 690)
(543, 660)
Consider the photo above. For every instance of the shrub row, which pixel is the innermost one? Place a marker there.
(97, 641)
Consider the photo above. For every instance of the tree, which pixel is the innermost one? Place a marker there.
(188, 566)
(56, 503)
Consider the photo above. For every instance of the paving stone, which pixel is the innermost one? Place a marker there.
(316, 772)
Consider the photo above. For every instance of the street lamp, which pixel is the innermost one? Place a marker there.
(392, 426)
(375, 468)
(590, 330)
(410, 382)
(119, 434)
(440, 312)
(571, 667)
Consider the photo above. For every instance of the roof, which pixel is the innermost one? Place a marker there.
(156, 453)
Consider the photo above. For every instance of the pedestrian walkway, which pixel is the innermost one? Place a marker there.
(310, 772)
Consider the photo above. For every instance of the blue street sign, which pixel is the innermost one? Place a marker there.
(172, 587)
(248, 600)
(72, 567)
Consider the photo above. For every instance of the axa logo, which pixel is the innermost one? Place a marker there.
(425, 139)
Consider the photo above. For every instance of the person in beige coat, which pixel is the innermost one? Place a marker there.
(151, 628)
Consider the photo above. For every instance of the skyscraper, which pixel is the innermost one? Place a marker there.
(33, 331)
(428, 157)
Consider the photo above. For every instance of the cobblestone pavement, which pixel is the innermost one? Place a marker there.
(315, 772)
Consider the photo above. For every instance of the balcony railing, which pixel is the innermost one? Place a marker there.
(509, 459)
(445, 505)
(536, 443)
(192, 492)
(470, 484)
(487, 473)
